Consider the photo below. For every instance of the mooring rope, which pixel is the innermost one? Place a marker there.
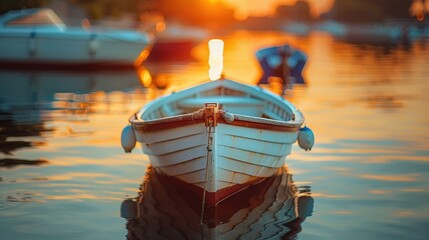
(209, 156)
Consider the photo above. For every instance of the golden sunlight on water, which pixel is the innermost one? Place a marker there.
(357, 83)
(215, 59)
(365, 103)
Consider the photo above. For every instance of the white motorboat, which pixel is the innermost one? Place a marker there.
(38, 37)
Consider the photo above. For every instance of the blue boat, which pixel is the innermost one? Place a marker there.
(282, 62)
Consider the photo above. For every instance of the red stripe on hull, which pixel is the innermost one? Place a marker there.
(175, 50)
(180, 121)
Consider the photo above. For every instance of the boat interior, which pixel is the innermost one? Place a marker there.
(230, 100)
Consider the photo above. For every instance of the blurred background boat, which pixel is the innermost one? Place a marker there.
(31, 96)
(283, 62)
(38, 38)
(165, 209)
(375, 34)
(176, 41)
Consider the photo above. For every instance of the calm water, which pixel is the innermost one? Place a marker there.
(367, 172)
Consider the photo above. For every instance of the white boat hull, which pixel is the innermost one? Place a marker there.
(50, 48)
(240, 155)
(56, 44)
(219, 137)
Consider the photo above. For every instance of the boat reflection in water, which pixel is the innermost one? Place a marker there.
(43, 92)
(35, 103)
(166, 209)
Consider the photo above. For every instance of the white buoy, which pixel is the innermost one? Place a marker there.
(306, 138)
(128, 139)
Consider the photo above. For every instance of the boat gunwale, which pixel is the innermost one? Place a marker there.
(198, 117)
(139, 122)
(267, 96)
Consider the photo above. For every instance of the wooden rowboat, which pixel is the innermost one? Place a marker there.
(219, 137)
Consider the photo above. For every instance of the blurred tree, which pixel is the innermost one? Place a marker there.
(394, 8)
(284, 11)
(95, 9)
(199, 12)
(356, 11)
(98, 9)
(300, 11)
(7, 5)
(370, 10)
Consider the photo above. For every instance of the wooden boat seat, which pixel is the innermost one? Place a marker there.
(224, 100)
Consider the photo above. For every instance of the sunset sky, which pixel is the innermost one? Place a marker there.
(247, 8)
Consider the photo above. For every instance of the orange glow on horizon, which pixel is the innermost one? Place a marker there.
(247, 8)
